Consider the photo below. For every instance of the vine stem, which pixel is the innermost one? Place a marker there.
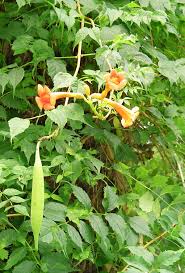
(79, 50)
(75, 57)
(54, 134)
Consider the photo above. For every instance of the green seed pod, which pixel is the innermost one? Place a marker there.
(37, 199)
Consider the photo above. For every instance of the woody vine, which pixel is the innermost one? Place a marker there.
(46, 100)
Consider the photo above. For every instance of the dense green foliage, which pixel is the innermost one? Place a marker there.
(114, 197)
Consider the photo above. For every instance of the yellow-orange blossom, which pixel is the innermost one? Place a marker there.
(114, 81)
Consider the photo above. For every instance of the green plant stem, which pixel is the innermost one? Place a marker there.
(79, 50)
(75, 57)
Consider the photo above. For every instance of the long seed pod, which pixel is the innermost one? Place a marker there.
(37, 199)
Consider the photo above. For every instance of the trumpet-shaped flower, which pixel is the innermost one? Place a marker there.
(46, 99)
(128, 116)
(115, 80)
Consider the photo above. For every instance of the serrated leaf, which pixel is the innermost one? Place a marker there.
(82, 196)
(74, 111)
(81, 35)
(142, 252)
(3, 254)
(168, 257)
(86, 232)
(55, 66)
(21, 3)
(25, 266)
(98, 225)
(16, 256)
(113, 14)
(21, 209)
(15, 77)
(75, 236)
(138, 262)
(3, 203)
(61, 238)
(22, 44)
(94, 33)
(7, 236)
(58, 116)
(17, 126)
(70, 3)
(41, 51)
(111, 199)
(118, 225)
(17, 199)
(140, 225)
(4, 79)
(11, 192)
(146, 202)
(62, 80)
(55, 211)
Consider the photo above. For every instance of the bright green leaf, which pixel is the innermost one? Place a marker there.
(18, 126)
(146, 202)
(82, 196)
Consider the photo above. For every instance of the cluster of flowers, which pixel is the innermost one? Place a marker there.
(113, 81)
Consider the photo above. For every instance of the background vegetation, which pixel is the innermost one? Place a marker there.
(114, 197)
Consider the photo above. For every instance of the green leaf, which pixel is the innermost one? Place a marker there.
(62, 80)
(70, 3)
(22, 44)
(140, 225)
(17, 199)
(94, 33)
(98, 225)
(8, 236)
(55, 211)
(21, 3)
(16, 256)
(103, 54)
(61, 238)
(3, 114)
(41, 51)
(12, 192)
(15, 77)
(55, 66)
(118, 225)
(113, 14)
(58, 116)
(81, 35)
(18, 126)
(74, 111)
(146, 202)
(168, 257)
(75, 236)
(25, 266)
(21, 209)
(138, 262)
(142, 252)
(110, 201)
(82, 196)
(4, 79)
(86, 232)
(3, 254)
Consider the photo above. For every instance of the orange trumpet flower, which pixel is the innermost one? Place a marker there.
(128, 116)
(46, 99)
(114, 81)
